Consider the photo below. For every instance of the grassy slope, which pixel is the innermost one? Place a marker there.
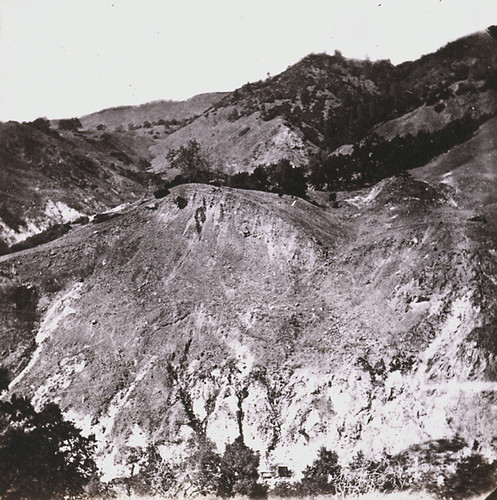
(235, 146)
(427, 119)
(469, 167)
(153, 111)
(50, 178)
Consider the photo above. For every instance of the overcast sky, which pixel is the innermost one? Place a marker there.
(64, 58)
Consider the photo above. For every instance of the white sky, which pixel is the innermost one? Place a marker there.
(63, 58)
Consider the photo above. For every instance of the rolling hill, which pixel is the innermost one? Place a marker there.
(359, 317)
(53, 177)
(136, 116)
(325, 102)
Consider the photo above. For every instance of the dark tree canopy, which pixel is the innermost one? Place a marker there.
(321, 477)
(205, 463)
(70, 124)
(4, 379)
(41, 124)
(233, 473)
(473, 476)
(239, 471)
(287, 179)
(190, 159)
(42, 455)
(281, 177)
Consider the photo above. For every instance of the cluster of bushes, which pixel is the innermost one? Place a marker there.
(234, 473)
(190, 159)
(227, 475)
(326, 476)
(43, 125)
(204, 472)
(374, 159)
(42, 455)
(72, 124)
(50, 234)
(465, 477)
(281, 178)
(473, 476)
(169, 125)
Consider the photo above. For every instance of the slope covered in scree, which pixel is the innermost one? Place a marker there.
(365, 327)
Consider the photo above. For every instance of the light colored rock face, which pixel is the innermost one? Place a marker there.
(285, 143)
(54, 213)
(239, 146)
(53, 177)
(367, 327)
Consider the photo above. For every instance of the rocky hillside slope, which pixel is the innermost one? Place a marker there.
(369, 327)
(51, 176)
(362, 321)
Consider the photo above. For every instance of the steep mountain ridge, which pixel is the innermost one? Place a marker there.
(328, 101)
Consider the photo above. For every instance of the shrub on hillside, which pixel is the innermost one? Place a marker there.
(281, 178)
(70, 124)
(239, 471)
(42, 455)
(284, 178)
(473, 476)
(205, 464)
(386, 474)
(50, 234)
(43, 125)
(323, 475)
(150, 475)
(233, 473)
(189, 159)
